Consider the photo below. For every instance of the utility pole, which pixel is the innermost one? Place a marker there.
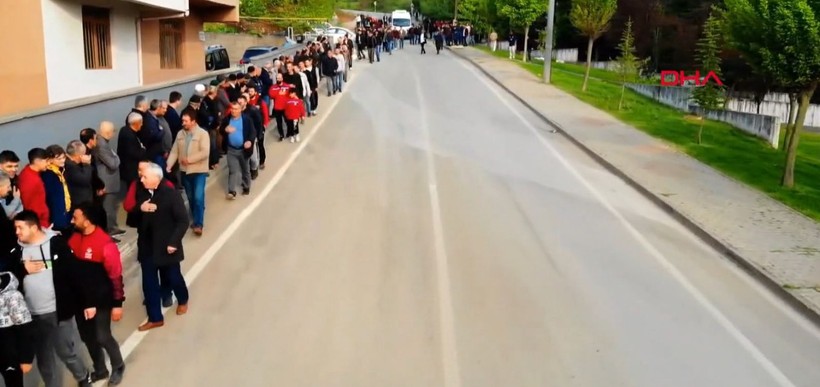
(548, 45)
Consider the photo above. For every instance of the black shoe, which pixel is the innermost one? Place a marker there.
(116, 376)
(86, 382)
(116, 232)
(167, 302)
(246, 191)
(97, 376)
(254, 174)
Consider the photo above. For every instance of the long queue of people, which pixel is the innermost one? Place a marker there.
(60, 268)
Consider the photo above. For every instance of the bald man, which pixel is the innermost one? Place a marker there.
(108, 169)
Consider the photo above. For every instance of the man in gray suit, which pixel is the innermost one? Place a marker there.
(108, 170)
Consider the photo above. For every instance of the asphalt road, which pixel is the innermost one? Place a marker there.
(432, 232)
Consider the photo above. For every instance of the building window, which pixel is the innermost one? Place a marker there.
(170, 44)
(97, 38)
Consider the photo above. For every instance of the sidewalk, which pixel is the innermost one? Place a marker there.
(774, 243)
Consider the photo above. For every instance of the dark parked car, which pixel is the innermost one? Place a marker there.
(256, 51)
(216, 58)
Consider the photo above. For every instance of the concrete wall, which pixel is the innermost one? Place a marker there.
(61, 125)
(237, 43)
(762, 126)
(64, 55)
(777, 109)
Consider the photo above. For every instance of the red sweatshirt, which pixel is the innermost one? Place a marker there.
(280, 93)
(33, 194)
(98, 247)
(259, 102)
(294, 109)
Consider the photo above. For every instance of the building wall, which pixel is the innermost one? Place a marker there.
(193, 51)
(64, 55)
(176, 5)
(23, 70)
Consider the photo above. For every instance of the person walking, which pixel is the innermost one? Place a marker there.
(512, 41)
(96, 249)
(422, 42)
(16, 332)
(239, 134)
(294, 111)
(438, 37)
(54, 288)
(192, 150)
(163, 223)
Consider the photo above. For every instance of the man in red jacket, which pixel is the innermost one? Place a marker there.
(294, 110)
(279, 94)
(94, 247)
(32, 189)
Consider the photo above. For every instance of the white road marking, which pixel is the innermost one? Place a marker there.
(191, 275)
(781, 379)
(449, 351)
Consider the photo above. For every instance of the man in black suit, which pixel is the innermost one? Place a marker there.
(163, 224)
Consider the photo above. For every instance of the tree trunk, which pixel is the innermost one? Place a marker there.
(700, 130)
(526, 40)
(589, 63)
(794, 135)
(790, 123)
(623, 91)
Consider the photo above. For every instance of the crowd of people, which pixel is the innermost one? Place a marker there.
(61, 272)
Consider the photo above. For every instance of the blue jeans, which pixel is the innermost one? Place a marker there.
(151, 289)
(194, 184)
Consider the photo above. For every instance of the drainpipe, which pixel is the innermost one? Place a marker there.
(138, 23)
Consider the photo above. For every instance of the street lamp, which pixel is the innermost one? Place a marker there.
(548, 45)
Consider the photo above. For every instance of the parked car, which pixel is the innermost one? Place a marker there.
(251, 52)
(216, 58)
(335, 34)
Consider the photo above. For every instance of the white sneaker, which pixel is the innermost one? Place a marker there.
(297, 138)
(292, 140)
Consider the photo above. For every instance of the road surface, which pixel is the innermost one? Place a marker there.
(432, 232)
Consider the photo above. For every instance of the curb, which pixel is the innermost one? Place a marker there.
(711, 240)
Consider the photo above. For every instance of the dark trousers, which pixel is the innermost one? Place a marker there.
(260, 146)
(422, 48)
(151, 289)
(314, 99)
(12, 375)
(279, 115)
(96, 334)
(293, 127)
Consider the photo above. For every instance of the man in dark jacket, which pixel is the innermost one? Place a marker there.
(93, 246)
(329, 66)
(239, 133)
(79, 173)
(55, 293)
(130, 149)
(163, 225)
(255, 115)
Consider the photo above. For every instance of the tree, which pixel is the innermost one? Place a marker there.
(781, 39)
(628, 62)
(475, 11)
(710, 95)
(592, 18)
(522, 13)
(253, 8)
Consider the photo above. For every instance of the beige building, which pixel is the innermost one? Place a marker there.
(63, 50)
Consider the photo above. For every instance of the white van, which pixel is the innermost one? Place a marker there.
(402, 19)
